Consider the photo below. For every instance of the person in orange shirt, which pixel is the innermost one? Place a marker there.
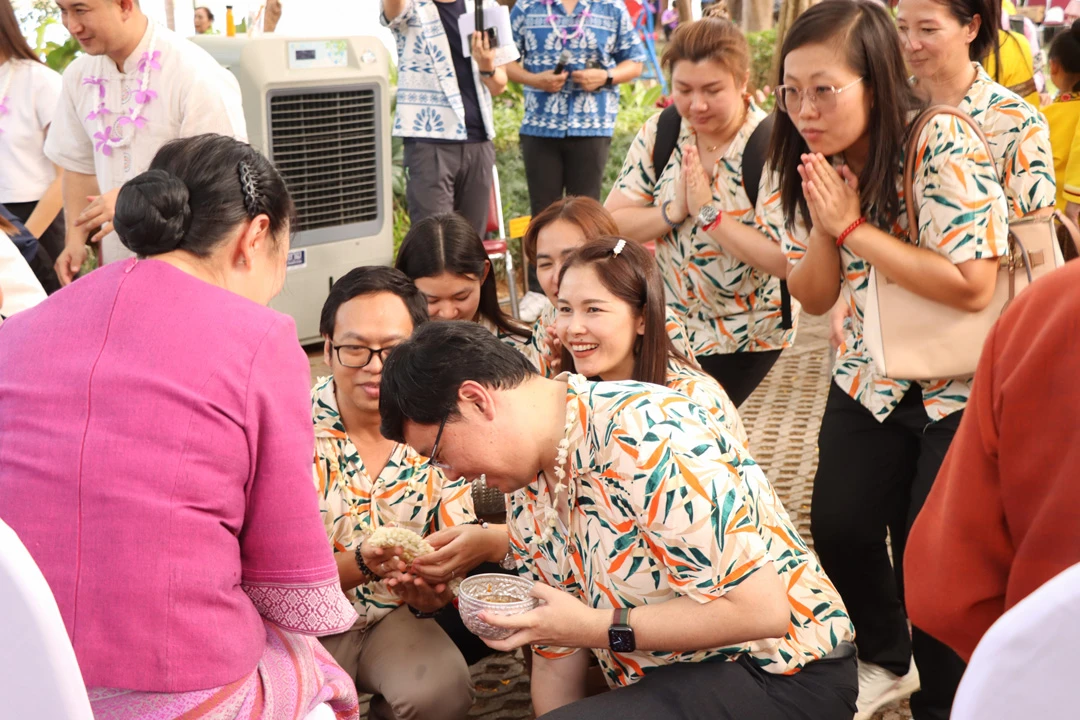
(1001, 517)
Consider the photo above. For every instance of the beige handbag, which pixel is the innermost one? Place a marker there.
(912, 338)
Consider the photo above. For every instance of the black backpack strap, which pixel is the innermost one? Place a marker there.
(667, 137)
(753, 159)
(753, 165)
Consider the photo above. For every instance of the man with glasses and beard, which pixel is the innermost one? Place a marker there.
(365, 482)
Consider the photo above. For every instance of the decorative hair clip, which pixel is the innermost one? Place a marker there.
(618, 247)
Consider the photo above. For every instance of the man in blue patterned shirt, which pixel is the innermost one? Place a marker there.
(570, 115)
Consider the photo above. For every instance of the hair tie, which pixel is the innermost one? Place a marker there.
(249, 186)
(618, 247)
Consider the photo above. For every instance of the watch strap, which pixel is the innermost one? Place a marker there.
(621, 616)
(487, 73)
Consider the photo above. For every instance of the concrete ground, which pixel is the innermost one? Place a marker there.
(782, 419)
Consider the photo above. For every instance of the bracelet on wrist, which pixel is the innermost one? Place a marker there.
(848, 230)
(369, 576)
(663, 213)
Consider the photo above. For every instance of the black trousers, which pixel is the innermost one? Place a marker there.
(554, 166)
(875, 476)
(739, 690)
(739, 373)
(50, 245)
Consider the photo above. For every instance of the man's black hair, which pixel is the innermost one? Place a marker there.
(422, 376)
(369, 280)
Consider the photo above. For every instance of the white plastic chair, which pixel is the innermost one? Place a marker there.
(39, 676)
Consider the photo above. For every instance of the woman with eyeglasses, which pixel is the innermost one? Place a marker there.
(719, 252)
(611, 326)
(838, 146)
(446, 259)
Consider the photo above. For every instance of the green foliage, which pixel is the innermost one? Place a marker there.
(762, 49)
(58, 57)
(41, 15)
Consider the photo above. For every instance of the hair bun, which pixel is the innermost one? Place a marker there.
(1075, 29)
(153, 213)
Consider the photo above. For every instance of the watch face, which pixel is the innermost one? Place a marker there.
(707, 214)
(621, 638)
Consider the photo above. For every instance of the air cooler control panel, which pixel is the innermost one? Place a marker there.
(314, 54)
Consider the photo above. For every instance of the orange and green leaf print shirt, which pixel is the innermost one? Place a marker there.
(727, 305)
(962, 216)
(665, 504)
(409, 493)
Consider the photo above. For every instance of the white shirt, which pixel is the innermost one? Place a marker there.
(32, 92)
(18, 284)
(1024, 666)
(195, 95)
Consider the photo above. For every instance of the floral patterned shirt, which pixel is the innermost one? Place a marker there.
(664, 505)
(728, 306)
(408, 493)
(1020, 141)
(963, 215)
(536, 349)
(597, 31)
(705, 391)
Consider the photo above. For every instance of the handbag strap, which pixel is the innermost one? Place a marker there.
(911, 159)
(1070, 226)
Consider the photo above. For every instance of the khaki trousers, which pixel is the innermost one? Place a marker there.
(411, 666)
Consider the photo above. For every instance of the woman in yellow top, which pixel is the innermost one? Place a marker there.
(1062, 115)
(1017, 66)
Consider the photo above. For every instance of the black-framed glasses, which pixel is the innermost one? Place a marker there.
(789, 98)
(435, 448)
(358, 356)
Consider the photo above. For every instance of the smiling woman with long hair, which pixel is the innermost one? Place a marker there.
(719, 252)
(839, 148)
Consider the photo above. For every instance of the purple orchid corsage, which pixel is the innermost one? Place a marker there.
(151, 60)
(132, 118)
(103, 139)
(144, 96)
(101, 112)
(100, 82)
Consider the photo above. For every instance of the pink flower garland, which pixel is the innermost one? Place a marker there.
(551, 17)
(106, 138)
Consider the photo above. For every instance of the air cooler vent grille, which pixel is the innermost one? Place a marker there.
(324, 144)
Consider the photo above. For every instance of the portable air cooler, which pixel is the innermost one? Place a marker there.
(320, 110)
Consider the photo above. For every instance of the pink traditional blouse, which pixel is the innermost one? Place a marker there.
(155, 459)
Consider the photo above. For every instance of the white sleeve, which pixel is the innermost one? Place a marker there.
(19, 288)
(213, 104)
(48, 85)
(68, 145)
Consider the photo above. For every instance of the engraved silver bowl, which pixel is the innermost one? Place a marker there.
(471, 602)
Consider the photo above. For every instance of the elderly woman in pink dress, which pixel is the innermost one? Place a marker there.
(155, 456)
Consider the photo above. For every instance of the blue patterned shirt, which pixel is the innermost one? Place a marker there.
(606, 36)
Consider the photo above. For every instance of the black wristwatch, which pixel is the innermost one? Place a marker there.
(422, 615)
(620, 634)
(487, 73)
(610, 79)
